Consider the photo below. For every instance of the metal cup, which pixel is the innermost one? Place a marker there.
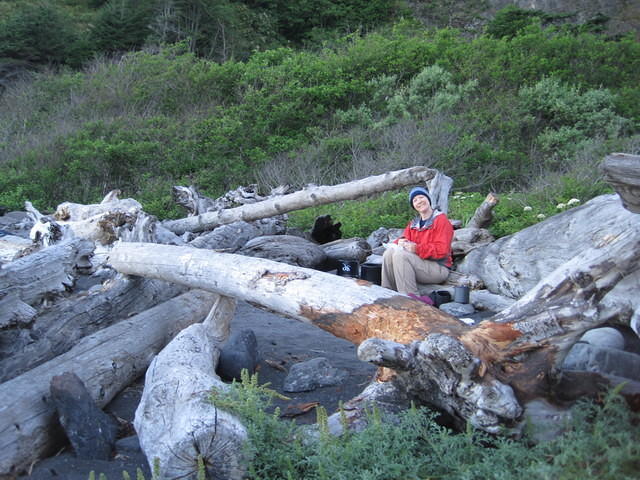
(461, 294)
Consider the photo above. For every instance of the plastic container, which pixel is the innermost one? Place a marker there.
(461, 294)
(371, 272)
(348, 268)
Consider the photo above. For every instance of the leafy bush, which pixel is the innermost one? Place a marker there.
(40, 32)
(600, 442)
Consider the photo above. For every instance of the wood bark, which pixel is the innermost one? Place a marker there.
(176, 420)
(347, 249)
(48, 272)
(479, 374)
(106, 362)
(513, 265)
(303, 199)
(286, 249)
(53, 331)
(13, 247)
(622, 171)
(439, 188)
(483, 216)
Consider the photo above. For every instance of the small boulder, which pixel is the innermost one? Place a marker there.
(238, 353)
(609, 361)
(314, 373)
(92, 432)
(458, 309)
(606, 337)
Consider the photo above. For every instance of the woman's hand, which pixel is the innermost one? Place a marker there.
(407, 245)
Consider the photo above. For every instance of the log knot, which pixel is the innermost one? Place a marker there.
(280, 279)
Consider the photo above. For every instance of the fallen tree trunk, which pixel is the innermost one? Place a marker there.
(483, 216)
(106, 362)
(622, 171)
(49, 272)
(303, 199)
(478, 374)
(54, 330)
(176, 420)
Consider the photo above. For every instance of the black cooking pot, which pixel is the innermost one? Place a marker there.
(439, 297)
(348, 268)
(371, 272)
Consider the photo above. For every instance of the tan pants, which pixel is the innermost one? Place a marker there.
(402, 270)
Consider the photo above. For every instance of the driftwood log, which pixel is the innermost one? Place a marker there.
(48, 272)
(302, 199)
(622, 171)
(176, 420)
(347, 249)
(513, 265)
(53, 331)
(480, 374)
(439, 189)
(483, 216)
(106, 362)
(287, 249)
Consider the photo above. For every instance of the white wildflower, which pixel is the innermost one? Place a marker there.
(560, 206)
(527, 208)
(573, 201)
(541, 216)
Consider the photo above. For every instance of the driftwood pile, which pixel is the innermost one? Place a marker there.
(488, 374)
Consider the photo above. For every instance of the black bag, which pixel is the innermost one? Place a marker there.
(439, 297)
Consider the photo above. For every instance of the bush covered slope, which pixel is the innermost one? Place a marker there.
(536, 109)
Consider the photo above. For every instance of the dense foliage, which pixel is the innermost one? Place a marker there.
(534, 109)
(492, 113)
(599, 442)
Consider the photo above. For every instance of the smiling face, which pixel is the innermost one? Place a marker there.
(422, 205)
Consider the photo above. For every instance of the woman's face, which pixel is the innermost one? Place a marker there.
(422, 205)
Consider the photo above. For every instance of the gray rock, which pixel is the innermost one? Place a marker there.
(584, 356)
(92, 432)
(314, 373)
(457, 309)
(238, 353)
(606, 337)
(129, 444)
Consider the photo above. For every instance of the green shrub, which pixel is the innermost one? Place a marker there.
(600, 442)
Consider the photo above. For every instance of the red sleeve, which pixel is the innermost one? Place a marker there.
(435, 242)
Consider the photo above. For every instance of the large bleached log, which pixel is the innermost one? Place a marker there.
(439, 188)
(75, 212)
(479, 374)
(106, 362)
(622, 171)
(303, 199)
(176, 421)
(48, 272)
(285, 248)
(52, 331)
(513, 265)
(13, 247)
(483, 216)
(347, 249)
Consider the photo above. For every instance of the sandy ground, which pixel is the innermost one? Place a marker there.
(281, 343)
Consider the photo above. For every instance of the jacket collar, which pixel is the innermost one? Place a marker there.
(415, 223)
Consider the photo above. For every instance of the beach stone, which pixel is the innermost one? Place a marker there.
(129, 444)
(238, 353)
(312, 374)
(611, 361)
(457, 309)
(92, 432)
(606, 337)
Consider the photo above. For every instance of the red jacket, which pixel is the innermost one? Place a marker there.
(433, 240)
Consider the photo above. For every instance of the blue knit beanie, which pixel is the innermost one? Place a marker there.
(418, 191)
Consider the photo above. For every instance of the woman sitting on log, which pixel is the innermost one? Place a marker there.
(423, 252)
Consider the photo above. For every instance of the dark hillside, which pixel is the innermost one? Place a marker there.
(536, 107)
